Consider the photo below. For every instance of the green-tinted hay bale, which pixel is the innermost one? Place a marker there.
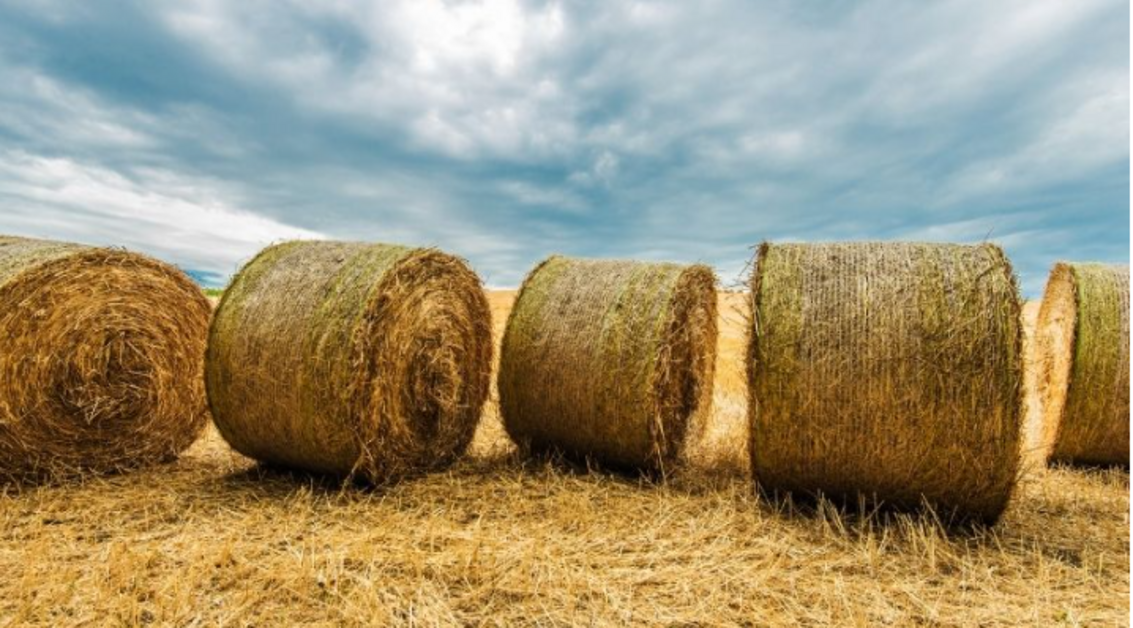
(609, 359)
(1083, 361)
(888, 370)
(101, 364)
(369, 360)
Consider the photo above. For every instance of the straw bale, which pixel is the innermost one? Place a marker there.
(1083, 361)
(102, 359)
(367, 360)
(891, 371)
(609, 359)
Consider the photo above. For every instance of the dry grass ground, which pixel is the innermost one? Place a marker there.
(215, 540)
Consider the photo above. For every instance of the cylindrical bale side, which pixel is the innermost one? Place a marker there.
(102, 361)
(609, 359)
(888, 370)
(368, 360)
(1083, 361)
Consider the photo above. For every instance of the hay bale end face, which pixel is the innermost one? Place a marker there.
(1083, 361)
(889, 370)
(609, 359)
(102, 360)
(358, 359)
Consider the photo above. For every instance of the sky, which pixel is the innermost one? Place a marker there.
(504, 131)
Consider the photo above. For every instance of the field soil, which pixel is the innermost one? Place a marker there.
(215, 539)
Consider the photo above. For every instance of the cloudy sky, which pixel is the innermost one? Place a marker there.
(503, 131)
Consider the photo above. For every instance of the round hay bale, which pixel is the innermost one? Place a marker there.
(609, 359)
(1083, 361)
(102, 360)
(888, 370)
(367, 360)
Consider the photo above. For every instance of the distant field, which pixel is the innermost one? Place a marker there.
(214, 539)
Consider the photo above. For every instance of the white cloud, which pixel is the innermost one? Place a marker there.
(455, 75)
(445, 37)
(161, 212)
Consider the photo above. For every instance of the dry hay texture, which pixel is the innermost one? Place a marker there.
(891, 371)
(609, 359)
(101, 363)
(1083, 334)
(364, 360)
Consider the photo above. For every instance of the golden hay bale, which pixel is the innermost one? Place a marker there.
(368, 360)
(609, 359)
(102, 359)
(1083, 345)
(889, 370)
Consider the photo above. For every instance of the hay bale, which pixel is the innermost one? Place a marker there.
(368, 360)
(1083, 344)
(889, 370)
(609, 359)
(102, 359)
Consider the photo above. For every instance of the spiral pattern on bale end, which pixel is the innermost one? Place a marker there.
(368, 360)
(102, 360)
(609, 359)
(889, 370)
(1083, 361)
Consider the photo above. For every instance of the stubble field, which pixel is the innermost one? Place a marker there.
(213, 539)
